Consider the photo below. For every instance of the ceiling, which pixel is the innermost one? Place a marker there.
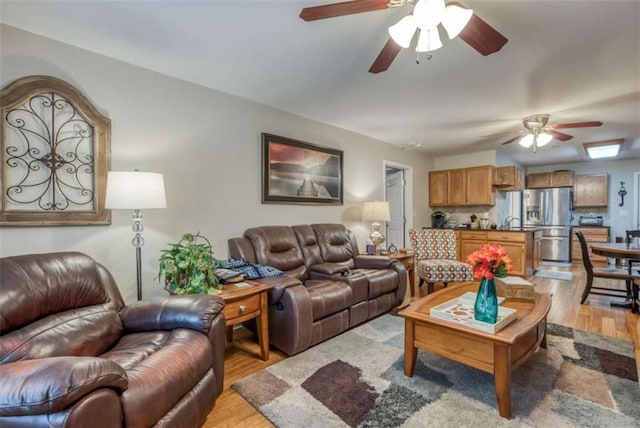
(576, 60)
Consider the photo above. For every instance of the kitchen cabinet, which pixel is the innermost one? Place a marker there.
(457, 187)
(480, 186)
(509, 178)
(462, 187)
(438, 188)
(591, 234)
(544, 180)
(523, 247)
(590, 191)
(470, 241)
(537, 249)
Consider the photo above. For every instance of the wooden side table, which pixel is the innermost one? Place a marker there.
(408, 260)
(245, 301)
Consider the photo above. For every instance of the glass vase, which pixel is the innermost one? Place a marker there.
(485, 308)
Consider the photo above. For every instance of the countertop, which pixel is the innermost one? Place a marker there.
(511, 229)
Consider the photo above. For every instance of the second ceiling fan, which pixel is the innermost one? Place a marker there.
(427, 15)
(538, 133)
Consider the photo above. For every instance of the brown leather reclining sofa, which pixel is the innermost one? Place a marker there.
(73, 355)
(328, 287)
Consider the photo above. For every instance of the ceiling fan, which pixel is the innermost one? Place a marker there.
(539, 134)
(427, 14)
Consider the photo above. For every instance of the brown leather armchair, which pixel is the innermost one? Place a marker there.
(73, 355)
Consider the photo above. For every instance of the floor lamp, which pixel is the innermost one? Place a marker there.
(135, 190)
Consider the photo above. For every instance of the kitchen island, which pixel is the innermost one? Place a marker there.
(523, 245)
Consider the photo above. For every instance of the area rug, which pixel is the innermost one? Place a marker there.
(554, 274)
(357, 380)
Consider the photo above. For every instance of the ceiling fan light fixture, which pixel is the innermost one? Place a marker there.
(402, 31)
(526, 141)
(429, 13)
(544, 138)
(455, 18)
(429, 40)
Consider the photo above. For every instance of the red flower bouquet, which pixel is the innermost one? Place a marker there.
(490, 261)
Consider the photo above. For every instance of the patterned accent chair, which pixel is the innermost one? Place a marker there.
(436, 257)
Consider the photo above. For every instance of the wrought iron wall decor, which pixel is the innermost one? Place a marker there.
(55, 155)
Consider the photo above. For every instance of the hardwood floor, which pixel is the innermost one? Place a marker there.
(243, 356)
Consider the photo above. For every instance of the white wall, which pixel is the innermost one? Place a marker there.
(206, 143)
(619, 218)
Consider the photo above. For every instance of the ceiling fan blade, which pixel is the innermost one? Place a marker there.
(512, 140)
(482, 36)
(577, 125)
(559, 135)
(386, 56)
(341, 9)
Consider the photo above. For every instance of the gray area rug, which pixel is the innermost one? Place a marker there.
(554, 274)
(357, 380)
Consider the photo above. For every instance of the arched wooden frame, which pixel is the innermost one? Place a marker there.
(55, 150)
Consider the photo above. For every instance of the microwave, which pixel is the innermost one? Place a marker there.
(590, 220)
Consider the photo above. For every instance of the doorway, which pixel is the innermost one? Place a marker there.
(398, 185)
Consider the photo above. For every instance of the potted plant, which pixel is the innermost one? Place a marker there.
(188, 267)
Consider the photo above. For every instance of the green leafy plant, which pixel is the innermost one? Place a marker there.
(188, 267)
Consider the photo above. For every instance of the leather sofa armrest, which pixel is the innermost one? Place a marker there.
(328, 268)
(279, 285)
(193, 311)
(49, 385)
(373, 262)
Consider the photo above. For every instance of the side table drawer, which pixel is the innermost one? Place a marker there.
(241, 308)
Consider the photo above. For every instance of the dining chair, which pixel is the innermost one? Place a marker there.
(630, 235)
(436, 258)
(604, 273)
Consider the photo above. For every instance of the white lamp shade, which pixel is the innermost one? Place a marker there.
(429, 40)
(429, 13)
(376, 211)
(544, 138)
(455, 19)
(526, 141)
(402, 32)
(135, 190)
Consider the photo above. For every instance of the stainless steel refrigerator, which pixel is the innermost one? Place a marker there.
(551, 210)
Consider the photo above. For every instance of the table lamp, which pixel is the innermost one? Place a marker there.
(135, 190)
(376, 211)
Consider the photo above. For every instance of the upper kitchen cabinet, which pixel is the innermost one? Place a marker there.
(438, 188)
(462, 186)
(480, 186)
(543, 180)
(457, 187)
(509, 178)
(590, 191)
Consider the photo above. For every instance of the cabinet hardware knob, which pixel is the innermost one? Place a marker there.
(242, 308)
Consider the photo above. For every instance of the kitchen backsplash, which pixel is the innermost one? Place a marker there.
(463, 214)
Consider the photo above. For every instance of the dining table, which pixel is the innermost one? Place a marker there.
(628, 251)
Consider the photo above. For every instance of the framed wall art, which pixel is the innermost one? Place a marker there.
(54, 155)
(297, 172)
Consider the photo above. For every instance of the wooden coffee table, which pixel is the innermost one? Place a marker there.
(498, 354)
(245, 301)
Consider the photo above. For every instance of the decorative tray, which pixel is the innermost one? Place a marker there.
(460, 311)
